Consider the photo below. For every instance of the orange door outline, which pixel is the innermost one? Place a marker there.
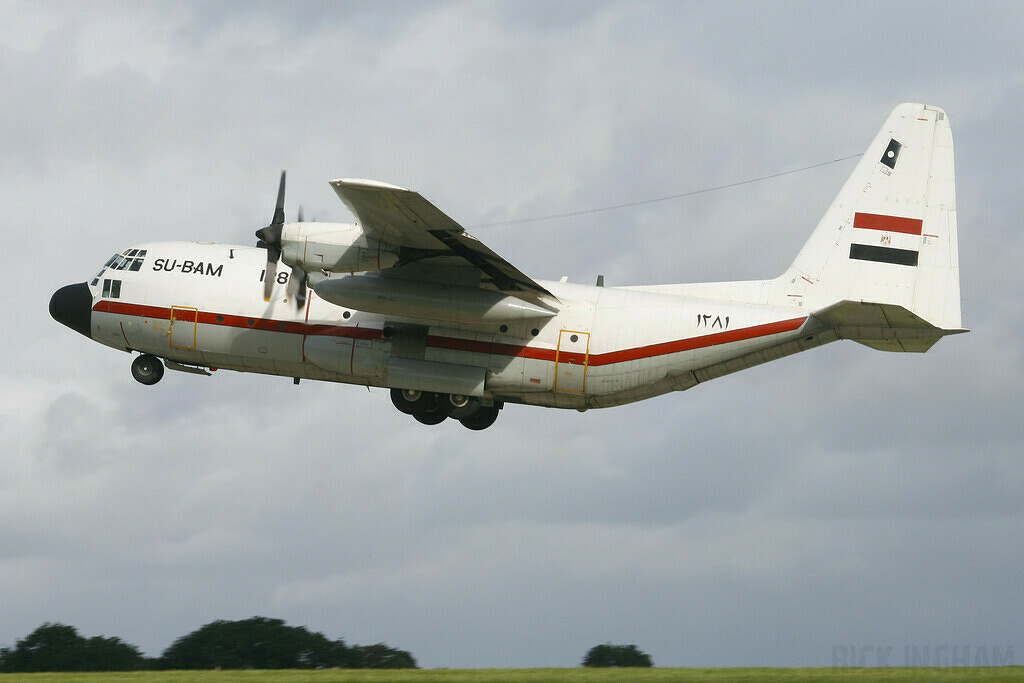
(571, 359)
(183, 327)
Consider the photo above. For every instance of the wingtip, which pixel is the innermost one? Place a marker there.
(366, 184)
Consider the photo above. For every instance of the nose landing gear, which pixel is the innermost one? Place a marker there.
(147, 369)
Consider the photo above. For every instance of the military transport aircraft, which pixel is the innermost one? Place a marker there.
(405, 298)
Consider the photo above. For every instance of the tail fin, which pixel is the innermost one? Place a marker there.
(882, 265)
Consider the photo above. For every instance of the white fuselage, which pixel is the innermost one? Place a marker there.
(405, 298)
(202, 305)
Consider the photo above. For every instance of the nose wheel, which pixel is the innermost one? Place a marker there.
(147, 369)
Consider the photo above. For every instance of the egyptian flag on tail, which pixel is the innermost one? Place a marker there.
(886, 239)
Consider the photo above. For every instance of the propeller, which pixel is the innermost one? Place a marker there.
(270, 239)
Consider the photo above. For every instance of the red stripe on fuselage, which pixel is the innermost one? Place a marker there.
(240, 321)
(701, 342)
(467, 345)
(875, 221)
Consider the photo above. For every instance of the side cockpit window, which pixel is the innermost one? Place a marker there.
(111, 289)
(110, 262)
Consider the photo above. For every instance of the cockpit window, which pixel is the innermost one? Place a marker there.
(129, 260)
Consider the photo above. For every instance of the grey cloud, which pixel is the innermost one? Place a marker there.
(838, 497)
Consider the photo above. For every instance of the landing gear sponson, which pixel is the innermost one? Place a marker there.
(426, 407)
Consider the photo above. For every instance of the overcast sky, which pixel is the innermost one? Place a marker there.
(841, 497)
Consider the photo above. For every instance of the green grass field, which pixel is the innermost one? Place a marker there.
(922, 674)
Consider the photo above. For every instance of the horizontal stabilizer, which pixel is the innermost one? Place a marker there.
(885, 327)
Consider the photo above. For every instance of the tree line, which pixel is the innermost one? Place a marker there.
(256, 643)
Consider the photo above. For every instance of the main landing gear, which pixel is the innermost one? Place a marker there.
(431, 409)
(147, 369)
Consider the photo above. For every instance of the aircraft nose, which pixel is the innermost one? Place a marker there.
(72, 306)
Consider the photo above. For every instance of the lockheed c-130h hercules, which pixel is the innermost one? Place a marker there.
(405, 298)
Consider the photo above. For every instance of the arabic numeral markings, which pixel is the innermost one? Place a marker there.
(713, 321)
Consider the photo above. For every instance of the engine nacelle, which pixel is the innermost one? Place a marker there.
(334, 247)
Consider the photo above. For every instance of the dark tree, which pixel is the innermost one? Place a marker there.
(380, 656)
(616, 655)
(256, 643)
(112, 654)
(262, 643)
(57, 647)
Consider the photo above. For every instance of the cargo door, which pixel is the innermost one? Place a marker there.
(571, 360)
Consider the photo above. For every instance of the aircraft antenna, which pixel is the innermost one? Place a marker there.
(641, 202)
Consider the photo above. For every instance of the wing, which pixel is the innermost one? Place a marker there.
(427, 236)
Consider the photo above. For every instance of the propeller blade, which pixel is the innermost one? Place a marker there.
(297, 286)
(272, 233)
(300, 213)
(273, 255)
(279, 208)
(270, 239)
